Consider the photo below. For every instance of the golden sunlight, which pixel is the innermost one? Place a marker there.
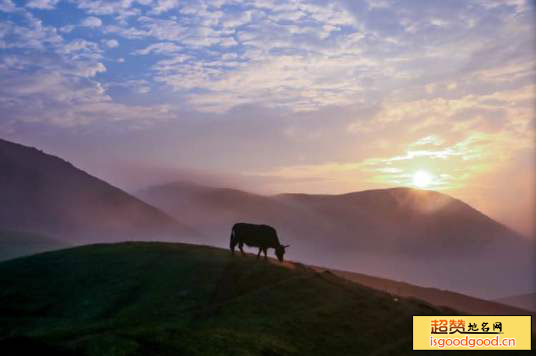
(422, 179)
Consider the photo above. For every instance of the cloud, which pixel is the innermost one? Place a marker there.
(159, 48)
(139, 86)
(264, 34)
(70, 101)
(111, 43)
(106, 7)
(92, 21)
(42, 4)
(303, 56)
(80, 45)
(7, 6)
(164, 6)
(30, 33)
(67, 28)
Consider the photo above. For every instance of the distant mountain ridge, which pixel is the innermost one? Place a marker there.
(419, 236)
(407, 218)
(381, 213)
(48, 195)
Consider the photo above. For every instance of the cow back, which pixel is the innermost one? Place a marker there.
(256, 235)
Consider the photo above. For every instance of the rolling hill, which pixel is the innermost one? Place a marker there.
(418, 236)
(49, 196)
(177, 299)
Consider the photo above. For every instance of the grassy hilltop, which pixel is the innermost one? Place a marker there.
(177, 299)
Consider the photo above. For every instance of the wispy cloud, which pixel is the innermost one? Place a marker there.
(92, 21)
(111, 43)
(7, 6)
(43, 4)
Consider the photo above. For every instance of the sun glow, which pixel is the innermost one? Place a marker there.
(422, 179)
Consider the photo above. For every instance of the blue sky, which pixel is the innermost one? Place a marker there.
(296, 95)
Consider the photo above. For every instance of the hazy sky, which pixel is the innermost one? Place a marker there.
(293, 95)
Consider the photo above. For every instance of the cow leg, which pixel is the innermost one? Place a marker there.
(233, 241)
(241, 247)
(232, 246)
(264, 250)
(259, 254)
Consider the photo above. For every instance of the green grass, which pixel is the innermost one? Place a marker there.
(176, 299)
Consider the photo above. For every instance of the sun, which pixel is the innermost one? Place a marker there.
(422, 179)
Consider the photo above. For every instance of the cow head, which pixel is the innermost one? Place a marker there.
(280, 252)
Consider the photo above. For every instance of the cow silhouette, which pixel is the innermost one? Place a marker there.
(261, 236)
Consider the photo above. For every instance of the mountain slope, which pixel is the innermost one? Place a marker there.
(456, 301)
(419, 236)
(403, 219)
(162, 299)
(45, 194)
(527, 301)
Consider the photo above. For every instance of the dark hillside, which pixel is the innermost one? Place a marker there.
(176, 299)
